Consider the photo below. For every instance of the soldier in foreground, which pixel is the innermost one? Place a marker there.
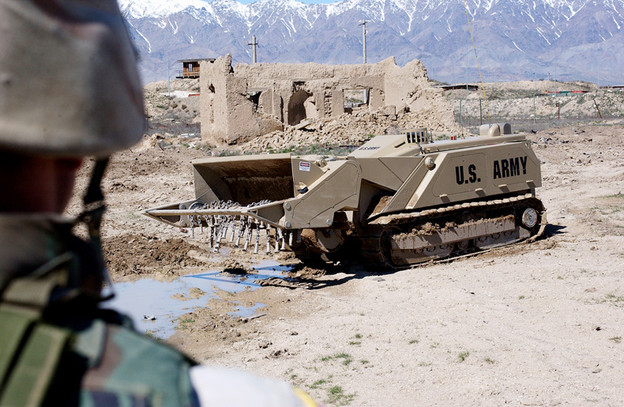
(69, 89)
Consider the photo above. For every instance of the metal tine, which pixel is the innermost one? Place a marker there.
(191, 219)
(217, 235)
(208, 229)
(247, 236)
(257, 239)
(217, 242)
(215, 230)
(277, 240)
(228, 219)
(220, 225)
(224, 229)
(213, 227)
(268, 239)
(281, 238)
(229, 222)
(219, 221)
(233, 229)
(241, 230)
(290, 239)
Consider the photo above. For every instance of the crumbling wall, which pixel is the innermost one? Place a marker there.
(260, 98)
(325, 85)
(213, 98)
(229, 113)
(408, 88)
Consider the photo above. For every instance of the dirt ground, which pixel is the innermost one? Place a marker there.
(537, 324)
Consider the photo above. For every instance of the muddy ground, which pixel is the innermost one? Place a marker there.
(536, 324)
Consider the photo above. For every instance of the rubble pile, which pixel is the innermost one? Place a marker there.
(347, 130)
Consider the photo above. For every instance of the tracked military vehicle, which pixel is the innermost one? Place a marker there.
(396, 201)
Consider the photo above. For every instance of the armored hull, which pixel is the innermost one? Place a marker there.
(396, 201)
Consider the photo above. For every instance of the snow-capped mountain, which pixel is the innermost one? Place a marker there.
(515, 39)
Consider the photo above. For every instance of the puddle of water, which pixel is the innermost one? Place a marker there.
(271, 269)
(246, 312)
(151, 298)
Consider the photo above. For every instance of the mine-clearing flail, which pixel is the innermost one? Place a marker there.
(397, 200)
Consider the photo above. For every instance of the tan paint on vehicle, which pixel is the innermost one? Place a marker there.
(392, 185)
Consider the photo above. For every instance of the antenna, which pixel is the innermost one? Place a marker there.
(478, 66)
(363, 24)
(253, 44)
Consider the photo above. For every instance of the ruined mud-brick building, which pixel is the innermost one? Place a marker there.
(238, 104)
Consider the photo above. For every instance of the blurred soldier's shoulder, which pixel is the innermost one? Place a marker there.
(91, 362)
(128, 368)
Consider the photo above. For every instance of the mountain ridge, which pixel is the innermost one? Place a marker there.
(562, 39)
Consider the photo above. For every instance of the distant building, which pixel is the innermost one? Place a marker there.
(190, 67)
(459, 86)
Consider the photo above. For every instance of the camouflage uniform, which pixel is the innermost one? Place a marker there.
(83, 344)
(69, 88)
(57, 348)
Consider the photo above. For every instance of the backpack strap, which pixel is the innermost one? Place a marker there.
(30, 352)
(35, 290)
(15, 323)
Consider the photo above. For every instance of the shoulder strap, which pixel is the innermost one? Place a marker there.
(35, 290)
(30, 352)
(14, 325)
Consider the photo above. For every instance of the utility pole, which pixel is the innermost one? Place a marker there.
(253, 44)
(555, 95)
(534, 97)
(363, 24)
(168, 75)
(461, 124)
(555, 80)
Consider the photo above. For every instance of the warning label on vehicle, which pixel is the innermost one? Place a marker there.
(304, 166)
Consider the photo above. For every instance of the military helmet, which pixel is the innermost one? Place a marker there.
(69, 85)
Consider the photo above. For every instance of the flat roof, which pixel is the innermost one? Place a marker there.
(458, 86)
(197, 59)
